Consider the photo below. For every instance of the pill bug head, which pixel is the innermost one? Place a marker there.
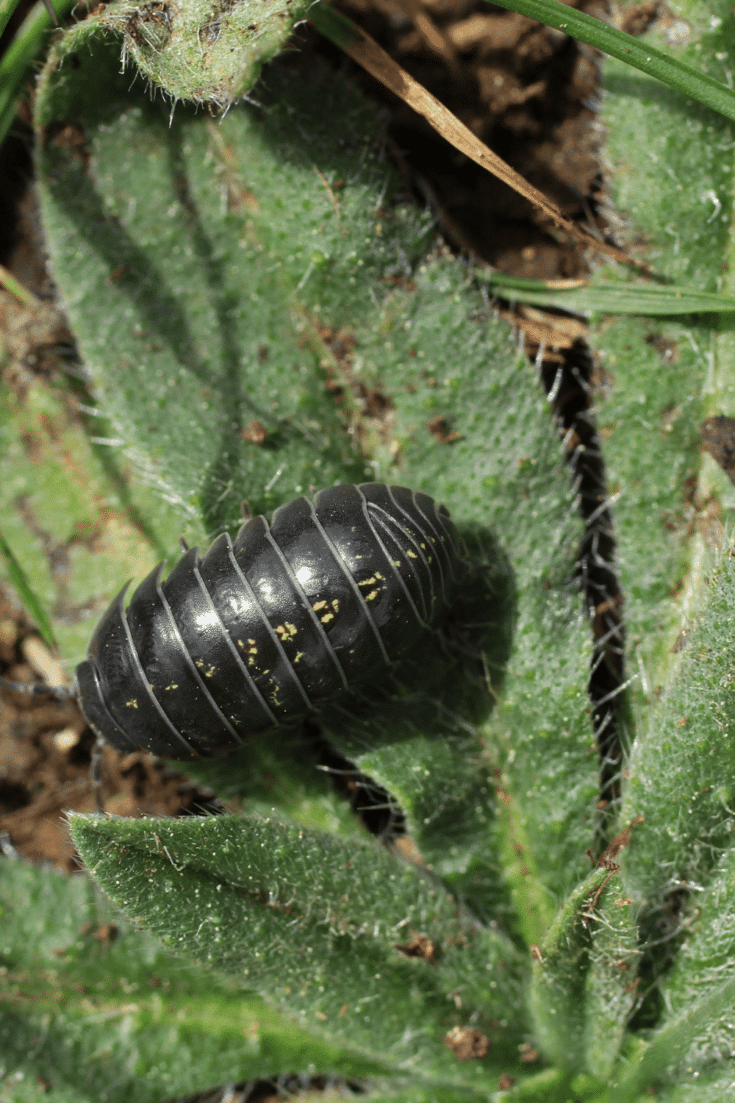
(260, 630)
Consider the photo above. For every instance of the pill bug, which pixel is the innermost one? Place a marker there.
(258, 631)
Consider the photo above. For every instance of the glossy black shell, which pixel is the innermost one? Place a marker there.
(258, 632)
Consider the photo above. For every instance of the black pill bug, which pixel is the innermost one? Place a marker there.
(258, 632)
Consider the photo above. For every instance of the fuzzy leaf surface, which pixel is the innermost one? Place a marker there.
(505, 467)
(100, 1012)
(200, 333)
(681, 774)
(321, 926)
(67, 501)
(195, 50)
(274, 275)
(661, 379)
(705, 966)
(610, 979)
(584, 973)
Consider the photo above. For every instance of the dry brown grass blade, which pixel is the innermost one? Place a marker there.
(367, 53)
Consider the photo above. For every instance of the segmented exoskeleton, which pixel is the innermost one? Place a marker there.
(258, 632)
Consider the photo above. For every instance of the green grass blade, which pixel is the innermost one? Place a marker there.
(7, 7)
(640, 55)
(14, 287)
(22, 52)
(28, 598)
(610, 296)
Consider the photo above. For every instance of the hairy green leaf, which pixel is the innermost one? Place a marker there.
(670, 1044)
(659, 382)
(705, 966)
(345, 936)
(681, 771)
(268, 273)
(77, 526)
(97, 1012)
(610, 980)
(560, 966)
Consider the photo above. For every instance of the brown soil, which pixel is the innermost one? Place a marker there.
(45, 755)
(526, 90)
(530, 93)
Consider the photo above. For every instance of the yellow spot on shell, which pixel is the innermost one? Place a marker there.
(411, 554)
(285, 632)
(372, 595)
(132, 704)
(326, 618)
(377, 577)
(173, 686)
(297, 657)
(319, 605)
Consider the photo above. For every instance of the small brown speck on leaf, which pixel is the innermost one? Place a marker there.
(528, 1053)
(398, 281)
(118, 273)
(466, 1043)
(106, 933)
(377, 403)
(255, 433)
(667, 350)
(420, 946)
(66, 135)
(505, 1082)
(718, 438)
(439, 427)
(621, 840)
